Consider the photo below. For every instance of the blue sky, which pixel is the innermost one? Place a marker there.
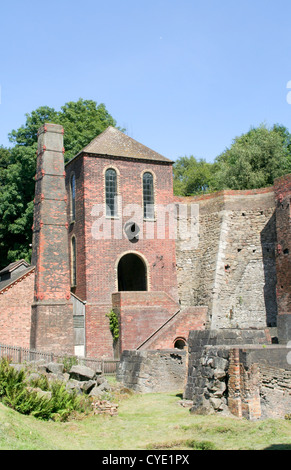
(183, 76)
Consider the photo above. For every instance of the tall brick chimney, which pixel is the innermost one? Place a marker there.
(52, 310)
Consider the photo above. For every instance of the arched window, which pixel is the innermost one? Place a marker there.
(73, 262)
(148, 196)
(111, 192)
(73, 197)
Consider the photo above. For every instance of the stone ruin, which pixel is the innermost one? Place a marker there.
(227, 371)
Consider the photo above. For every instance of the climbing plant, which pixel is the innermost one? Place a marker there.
(113, 324)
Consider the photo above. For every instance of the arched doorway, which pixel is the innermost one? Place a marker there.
(132, 273)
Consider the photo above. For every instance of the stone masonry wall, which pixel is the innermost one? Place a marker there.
(282, 188)
(153, 371)
(233, 268)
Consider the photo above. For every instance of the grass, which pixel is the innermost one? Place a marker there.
(144, 422)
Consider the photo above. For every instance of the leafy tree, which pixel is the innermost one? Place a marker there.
(192, 176)
(5, 156)
(82, 121)
(254, 159)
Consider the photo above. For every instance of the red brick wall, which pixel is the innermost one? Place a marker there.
(77, 227)
(15, 312)
(102, 255)
(190, 318)
(141, 314)
(97, 259)
(243, 387)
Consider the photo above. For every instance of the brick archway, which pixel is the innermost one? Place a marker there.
(132, 273)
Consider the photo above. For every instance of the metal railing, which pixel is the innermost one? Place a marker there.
(19, 355)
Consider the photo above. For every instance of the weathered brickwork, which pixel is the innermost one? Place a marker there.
(238, 372)
(76, 225)
(141, 314)
(52, 310)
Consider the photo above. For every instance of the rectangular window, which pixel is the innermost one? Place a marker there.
(111, 192)
(148, 196)
(73, 198)
(73, 262)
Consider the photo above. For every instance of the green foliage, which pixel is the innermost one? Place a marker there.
(11, 380)
(64, 403)
(253, 161)
(68, 362)
(113, 324)
(41, 382)
(200, 445)
(82, 121)
(192, 176)
(15, 393)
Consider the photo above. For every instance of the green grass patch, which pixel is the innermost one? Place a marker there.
(144, 421)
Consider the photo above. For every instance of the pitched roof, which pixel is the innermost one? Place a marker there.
(113, 142)
(16, 278)
(12, 266)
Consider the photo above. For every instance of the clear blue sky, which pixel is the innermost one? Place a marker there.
(183, 76)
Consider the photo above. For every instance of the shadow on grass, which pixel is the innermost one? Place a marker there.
(279, 447)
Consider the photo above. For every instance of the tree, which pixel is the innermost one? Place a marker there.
(192, 176)
(254, 159)
(82, 121)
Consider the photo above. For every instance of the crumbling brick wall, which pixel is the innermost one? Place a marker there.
(250, 381)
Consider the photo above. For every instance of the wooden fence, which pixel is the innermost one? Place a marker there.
(18, 355)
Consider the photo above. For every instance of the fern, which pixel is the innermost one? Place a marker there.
(14, 393)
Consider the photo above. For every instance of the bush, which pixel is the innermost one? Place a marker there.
(65, 403)
(26, 400)
(11, 380)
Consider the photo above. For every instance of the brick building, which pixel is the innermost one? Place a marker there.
(109, 235)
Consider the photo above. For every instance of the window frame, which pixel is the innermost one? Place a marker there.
(73, 261)
(72, 198)
(153, 214)
(115, 214)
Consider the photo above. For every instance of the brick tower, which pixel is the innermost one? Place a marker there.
(52, 310)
